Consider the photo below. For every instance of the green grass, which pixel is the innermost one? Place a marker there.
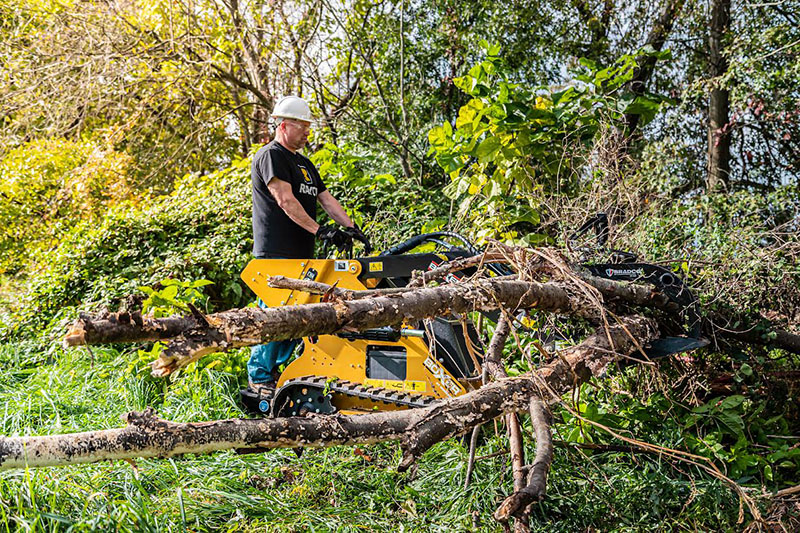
(48, 390)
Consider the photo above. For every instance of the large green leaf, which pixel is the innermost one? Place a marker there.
(488, 148)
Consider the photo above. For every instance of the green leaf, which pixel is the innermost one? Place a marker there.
(236, 288)
(646, 107)
(732, 402)
(588, 63)
(527, 215)
(169, 292)
(447, 129)
(465, 83)
(565, 96)
(734, 423)
(488, 148)
(468, 112)
(437, 137)
(388, 178)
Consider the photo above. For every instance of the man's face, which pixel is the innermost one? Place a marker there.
(296, 133)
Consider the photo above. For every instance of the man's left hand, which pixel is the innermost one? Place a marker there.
(342, 240)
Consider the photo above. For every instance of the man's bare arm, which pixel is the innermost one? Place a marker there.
(282, 192)
(334, 209)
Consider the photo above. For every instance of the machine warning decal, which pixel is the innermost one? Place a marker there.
(376, 266)
(416, 386)
(448, 384)
(340, 266)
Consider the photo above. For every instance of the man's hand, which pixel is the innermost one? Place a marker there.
(338, 238)
(356, 233)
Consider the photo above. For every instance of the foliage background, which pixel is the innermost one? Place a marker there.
(127, 129)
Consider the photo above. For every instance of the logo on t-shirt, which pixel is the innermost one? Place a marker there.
(306, 175)
(307, 187)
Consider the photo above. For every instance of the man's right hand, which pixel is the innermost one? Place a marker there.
(338, 238)
(356, 233)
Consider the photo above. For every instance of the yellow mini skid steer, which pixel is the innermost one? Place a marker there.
(377, 369)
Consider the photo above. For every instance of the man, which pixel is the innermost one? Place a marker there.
(286, 190)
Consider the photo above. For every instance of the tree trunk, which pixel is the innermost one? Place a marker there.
(194, 336)
(417, 429)
(656, 38)
(718, 165)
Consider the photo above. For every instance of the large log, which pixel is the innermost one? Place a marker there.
(196, 335)
(249, 326)
(417, 429)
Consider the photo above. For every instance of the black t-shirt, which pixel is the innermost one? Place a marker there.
(274, 233)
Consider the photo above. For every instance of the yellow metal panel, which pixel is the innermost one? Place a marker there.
(257, 273)
(347, 360)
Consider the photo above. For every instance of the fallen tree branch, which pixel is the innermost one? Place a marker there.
(243, 327)
(518, 503)
(574, 366)
(251, 326)
(788, 491)
(316, 287)
(517, 449)
(494, 367)
(473, 445)
(416, 429)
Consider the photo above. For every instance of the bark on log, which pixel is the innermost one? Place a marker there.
(316, 287)
(517, 449)
(417, 429)
(196, 336)
(250, 326)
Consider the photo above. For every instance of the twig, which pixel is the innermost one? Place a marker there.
(787, 492)
(473, 444)
(454, 266)
(491, 455)
(473, 441)
(316, 287)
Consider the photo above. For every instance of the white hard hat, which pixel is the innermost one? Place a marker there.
(292, 107)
